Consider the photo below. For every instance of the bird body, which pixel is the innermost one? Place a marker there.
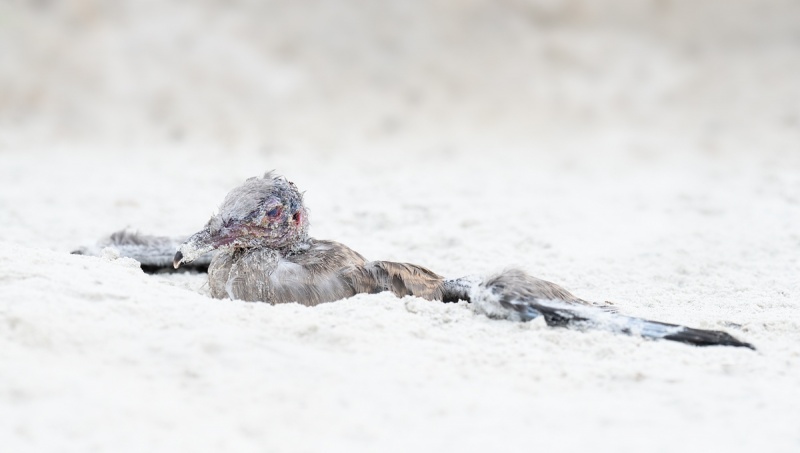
(320, 271)
(260, 251)
(309, 276)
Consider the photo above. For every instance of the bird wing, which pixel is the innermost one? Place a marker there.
(516, 295)
(154, 253)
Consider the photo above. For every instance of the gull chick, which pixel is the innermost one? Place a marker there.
(260, 251)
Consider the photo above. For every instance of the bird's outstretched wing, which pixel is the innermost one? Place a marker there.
(515, 295)
(155, 253)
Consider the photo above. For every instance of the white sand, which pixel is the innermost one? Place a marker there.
(645, 158)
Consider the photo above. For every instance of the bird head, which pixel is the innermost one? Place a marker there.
(262, 212)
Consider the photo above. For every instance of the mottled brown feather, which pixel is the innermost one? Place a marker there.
(402, 279)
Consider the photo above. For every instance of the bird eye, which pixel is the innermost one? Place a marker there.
(274, 212)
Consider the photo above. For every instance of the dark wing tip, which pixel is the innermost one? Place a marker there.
(699, 337)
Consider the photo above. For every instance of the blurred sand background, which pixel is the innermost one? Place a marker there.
(644, 152)
(256, 73)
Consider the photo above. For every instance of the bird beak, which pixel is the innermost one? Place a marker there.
(196, 246)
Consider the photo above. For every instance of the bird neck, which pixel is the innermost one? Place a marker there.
(299, 246)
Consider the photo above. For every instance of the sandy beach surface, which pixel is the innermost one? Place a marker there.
(633, 154)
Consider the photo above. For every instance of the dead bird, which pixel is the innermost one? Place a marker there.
(257, 248)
